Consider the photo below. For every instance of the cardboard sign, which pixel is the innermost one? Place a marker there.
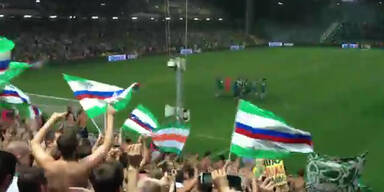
(275, 169)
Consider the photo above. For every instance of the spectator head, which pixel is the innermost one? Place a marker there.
(188, 172)
(107, 177)
(7, 169)
(149, 185)
(67, 144)
(21, 151)
(83, 151)
(31, 179)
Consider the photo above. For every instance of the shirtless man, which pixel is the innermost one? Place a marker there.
(67, 171)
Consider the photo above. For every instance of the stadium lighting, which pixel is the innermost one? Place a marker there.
(152, 18)
(1, 16)
(53, 16)
(27, 16)
(37, 1)
(208, 19)
(134, 18)
(167, 18)
(196, 19)
(181, 18)
(220, 19)
(95, 17)
(115, 18)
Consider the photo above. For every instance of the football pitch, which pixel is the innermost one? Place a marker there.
(337, 95)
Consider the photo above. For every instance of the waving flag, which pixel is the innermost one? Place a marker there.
(261, 134)
(13, 95)
(5, 59)
(13, 70)
(94, 96)
(141, 121)
(171, 139)
(8, 69)
(13, 98)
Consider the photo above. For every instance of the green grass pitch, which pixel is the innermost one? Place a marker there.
(335, 94)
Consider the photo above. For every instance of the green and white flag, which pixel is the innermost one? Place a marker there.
(141, 121)
(171, 138)
(95, 96)
(14, 69)
(13, 98)
(261, 134)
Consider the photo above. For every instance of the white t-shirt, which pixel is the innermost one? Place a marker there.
(13, 187)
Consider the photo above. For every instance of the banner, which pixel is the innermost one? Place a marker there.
(186, 51)
(350, 46)
(275, 44)
(275, 169)
(113, 58)
(236, 47)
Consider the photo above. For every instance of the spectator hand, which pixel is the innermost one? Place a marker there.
(266, 186)
(56, 116)
(135, 156)
(219, 179)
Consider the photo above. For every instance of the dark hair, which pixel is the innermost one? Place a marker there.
(124, 160)
(107, 177)
(188, 169)
(30, 179)
(7, 165)
(128, 140)
(207, 154)
(83, 151)
(67, 144)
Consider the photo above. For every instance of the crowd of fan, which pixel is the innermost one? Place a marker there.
(57, 155)
(39, 46)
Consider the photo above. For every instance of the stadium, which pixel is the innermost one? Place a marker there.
(311, 70)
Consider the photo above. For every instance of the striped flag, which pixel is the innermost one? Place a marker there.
(6, 45)
(11, 71)
(141, 121)
(94, 96)
(171, 139)
(261, 134)
(8, 69)
(5, 59)
(12, 97)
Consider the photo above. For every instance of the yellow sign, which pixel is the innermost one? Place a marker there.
(275, 169)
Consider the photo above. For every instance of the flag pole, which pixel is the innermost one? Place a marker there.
(105, 120)
(234, 127)
(97, 127)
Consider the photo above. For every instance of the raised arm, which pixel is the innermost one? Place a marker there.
(101, 152)
(42, 157)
